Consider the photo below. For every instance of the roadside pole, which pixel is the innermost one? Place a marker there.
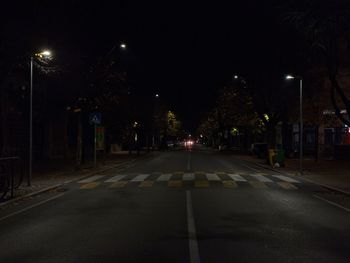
(29, 179)
(95, 141)
(301, 126)
(95, 119)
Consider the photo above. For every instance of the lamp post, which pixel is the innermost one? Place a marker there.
(239, 78)
(290, 77)
(44, 54)
(155, 103)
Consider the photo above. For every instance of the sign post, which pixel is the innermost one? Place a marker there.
(95, 145)
(100, 138)
(95, 119)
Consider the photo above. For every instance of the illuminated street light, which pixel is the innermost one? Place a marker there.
(123, 45)
(47, 54)
(291, 77)
(241, 79)
(157, 95)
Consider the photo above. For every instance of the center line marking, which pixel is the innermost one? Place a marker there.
(189, 161)
(192, 235)
(188, 177)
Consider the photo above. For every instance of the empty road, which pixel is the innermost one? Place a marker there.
(179, 206)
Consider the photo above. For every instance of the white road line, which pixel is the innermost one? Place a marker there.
(140, 178)
(261, 178)
(332, 203)
(192, 235)
(164, 177)
(188, 177)
(251, 168)
(91, 179)
(286, 179)
(236, 177)
(32, 206)
(213, 177)
(115, 178)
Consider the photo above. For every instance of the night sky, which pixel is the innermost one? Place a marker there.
(183, 51)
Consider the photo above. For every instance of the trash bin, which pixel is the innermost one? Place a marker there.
(279, 157)
(272, 157)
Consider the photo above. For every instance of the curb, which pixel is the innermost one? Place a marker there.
(19, 198)
(305, 179)
(49, 188)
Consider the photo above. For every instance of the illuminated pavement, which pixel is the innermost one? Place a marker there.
(180, 206)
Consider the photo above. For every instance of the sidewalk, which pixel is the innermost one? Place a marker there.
(334, 173)
(52, 173)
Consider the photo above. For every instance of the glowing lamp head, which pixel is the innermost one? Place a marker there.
(290, 77)
(46, 53)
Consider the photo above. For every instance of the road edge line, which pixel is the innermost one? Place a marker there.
(31, 206)
(332, 203)
(49, 188)
(300, 177)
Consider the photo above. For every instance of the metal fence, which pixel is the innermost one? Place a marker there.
(11, 176)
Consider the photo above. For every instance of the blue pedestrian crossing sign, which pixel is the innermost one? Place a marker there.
(95, 118)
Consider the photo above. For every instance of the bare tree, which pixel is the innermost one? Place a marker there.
(325, 27)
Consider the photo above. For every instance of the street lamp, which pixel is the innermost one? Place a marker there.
(153, 120)
(123, 45)
(240, 78)
(291, 77)
(45, 54)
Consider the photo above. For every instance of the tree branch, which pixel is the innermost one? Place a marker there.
(337, 110)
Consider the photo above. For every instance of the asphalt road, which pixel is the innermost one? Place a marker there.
(179, 206)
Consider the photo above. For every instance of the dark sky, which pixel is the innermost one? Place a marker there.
(185, 51)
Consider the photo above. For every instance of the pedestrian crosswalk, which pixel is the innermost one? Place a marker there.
(213, 177)
(186, 179)
(237, 177)
(91, 179)
(285, 178)
(116, 178)
(140, 178)
(261, 178)
(164, 177)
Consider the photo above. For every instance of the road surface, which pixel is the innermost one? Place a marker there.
(179, 206)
